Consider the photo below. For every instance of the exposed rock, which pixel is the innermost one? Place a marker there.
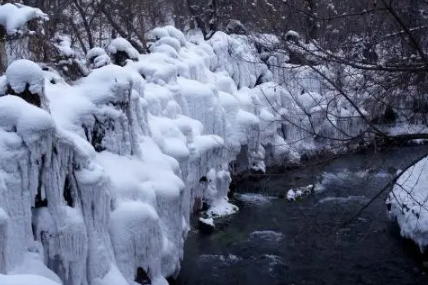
(206, 226)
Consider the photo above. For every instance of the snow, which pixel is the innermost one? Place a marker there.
(30, 122)
(208, 221)
(221, 208)
(159, 33)
(3, 217)
(168, 41)
(202, 144)
(294, 194)
(291, 195)
(25, 280)
(408, 203)
(113, 277)
(64, 46)
(98, 57)
(33, 265)
(22, 72)
(135, 233)
(120, 44)
(292, 35)
(102, 180)
(14, 16)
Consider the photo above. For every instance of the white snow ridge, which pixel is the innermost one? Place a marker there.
(98, 179)
(407, 203)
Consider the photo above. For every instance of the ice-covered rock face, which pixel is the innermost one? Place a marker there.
(238, 57)
(26, 141)
(99, 187)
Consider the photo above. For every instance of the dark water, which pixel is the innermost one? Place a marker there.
(271, 241)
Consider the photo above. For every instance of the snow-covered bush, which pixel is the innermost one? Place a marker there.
(25, 79)
(97, 57)
(13, 17)
(120, 50)
(66, 60)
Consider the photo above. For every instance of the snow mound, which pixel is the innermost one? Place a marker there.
(122, 45)
(221, 208)
(30, 122)
(293, 194)
(98, 57)
(208, 221)
(33, 265)
(25, 280)
(408, 203)
(22, 74)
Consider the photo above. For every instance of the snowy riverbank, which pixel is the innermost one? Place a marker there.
(99, 177)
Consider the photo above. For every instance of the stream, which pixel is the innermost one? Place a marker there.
(312, 240)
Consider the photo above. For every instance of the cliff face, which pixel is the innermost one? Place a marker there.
(98, 179)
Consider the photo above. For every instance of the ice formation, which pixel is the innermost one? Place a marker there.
(98, 184)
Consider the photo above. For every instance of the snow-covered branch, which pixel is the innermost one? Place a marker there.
(14, 17)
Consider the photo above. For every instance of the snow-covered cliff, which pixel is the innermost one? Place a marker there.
(98, 179)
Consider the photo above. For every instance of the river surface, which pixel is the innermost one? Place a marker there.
(311, 241)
